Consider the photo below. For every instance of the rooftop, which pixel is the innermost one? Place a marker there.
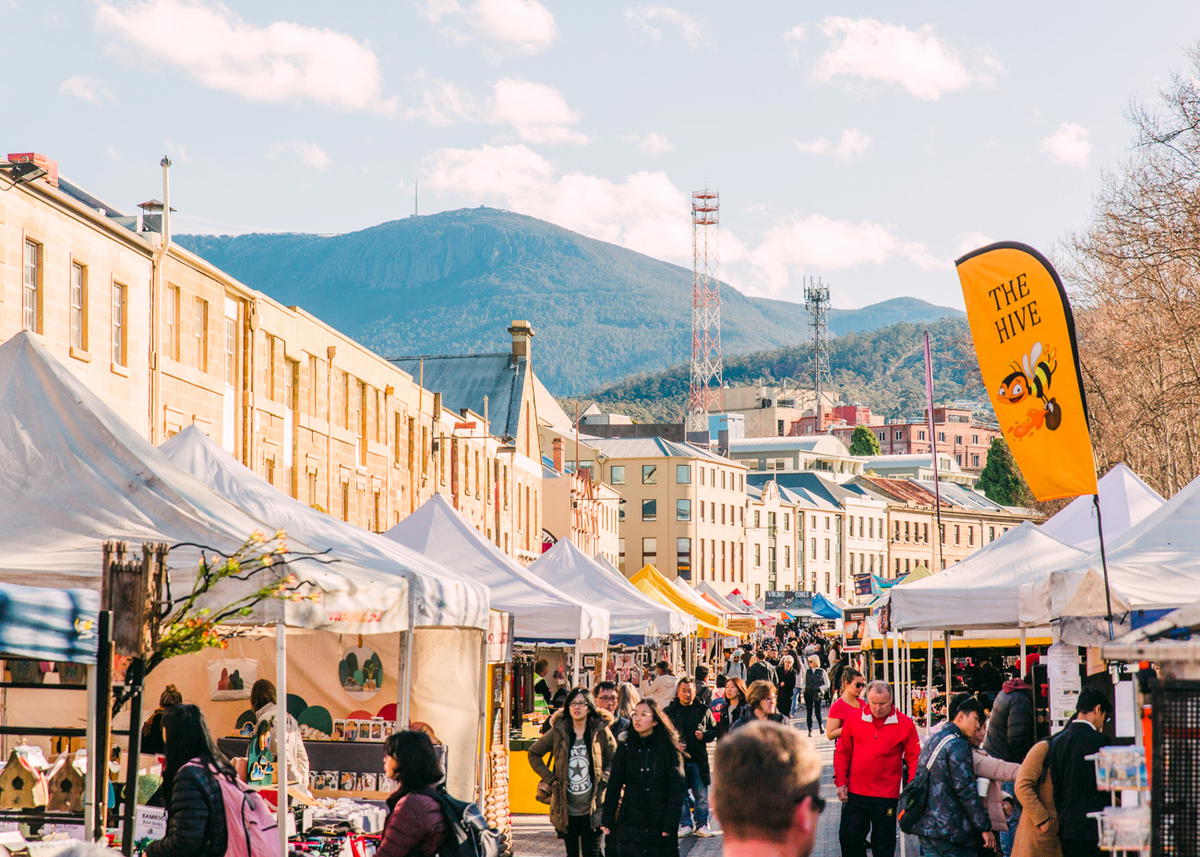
(464, 380)
(654, 447)
(820, 444)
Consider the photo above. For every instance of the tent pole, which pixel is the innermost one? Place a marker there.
(484, 707)
(89, 778)
(898, 672)
(887, 667)
(1021, 665)
(929, 686)
(949, 670)
(281, 733)
(404, 710)
(578, 660)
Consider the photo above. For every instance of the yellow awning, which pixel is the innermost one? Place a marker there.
(963, 643)
(651, 582)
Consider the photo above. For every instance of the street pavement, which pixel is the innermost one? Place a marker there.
(534, 837)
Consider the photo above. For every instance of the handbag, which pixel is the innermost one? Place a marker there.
(543, 792)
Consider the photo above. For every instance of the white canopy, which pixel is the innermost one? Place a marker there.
(723, 603)
(1153, 566)
(75, 474)
(981, 591)
(437, 530)
(1125, 500)
(634, 616)
(440, 597)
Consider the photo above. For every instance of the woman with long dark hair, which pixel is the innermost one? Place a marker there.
(153, 742)
(415, 826)
(761, 702)
(730, 708)
(582, 748)
(645, 789)
(191, 793)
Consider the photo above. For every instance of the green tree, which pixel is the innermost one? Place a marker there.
(864, 442)
(1001, 479)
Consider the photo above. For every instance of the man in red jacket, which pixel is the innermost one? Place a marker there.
(876, 754)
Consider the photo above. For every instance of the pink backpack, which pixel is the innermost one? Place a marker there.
(251, 828)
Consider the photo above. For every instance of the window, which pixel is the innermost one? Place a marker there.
(649, 550)
(291, 384)
(974, 460)
(701, 469)
(171, 323)
(758, 556)
(827, 549)
(346, 501)
(787, 522)
(231, 352)
(616, 474)
(702, 510)
(649, 510)
(920, 435)
(272, 367)
(757, 519)
(620, 510)
(897, 435)
(942, 436)
(787, 555)
(970, 535)
(683, 557)
(31, 287)
(683, 474)
(683, 510)
(975, 438)
(649, 474)
(722, 479)
(770, 520)
(827, 522)
(200, 332)
(722, 513)
(621, 556)
(991, 534)
(814, 549)
(78, 306)
(120, 310)
(957, 534)
(851, 523)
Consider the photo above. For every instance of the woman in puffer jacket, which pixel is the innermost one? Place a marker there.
(415, 826)
(195, 808)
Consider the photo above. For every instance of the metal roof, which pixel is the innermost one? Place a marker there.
(904, 490)
(819, 444)
(655, 447)
(465, 379)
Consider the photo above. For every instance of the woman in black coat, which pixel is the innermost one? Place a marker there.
(760, 705)
(645, 789)
(195, 808)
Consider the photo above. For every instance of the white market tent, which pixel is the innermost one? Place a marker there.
(706, 588)
(635, 619)
(1125, 500)
(440, 596)
(692, 595)
(540, 613)
(76, 474)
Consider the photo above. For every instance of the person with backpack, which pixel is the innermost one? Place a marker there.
(195, 808)
(416, 822)
(581, 748)
(953, 821)
(644, 798)
(816, 682)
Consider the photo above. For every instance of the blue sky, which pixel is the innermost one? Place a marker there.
(866, 143)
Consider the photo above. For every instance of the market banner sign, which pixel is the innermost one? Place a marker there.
(862, 584)
(790, 600)
(1025, 341)
(854, 628)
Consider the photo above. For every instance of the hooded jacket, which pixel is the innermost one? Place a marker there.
(688, 720)
(195, 818)
(1011, 724)
(557, 741)
(645, 791)
(415, 826)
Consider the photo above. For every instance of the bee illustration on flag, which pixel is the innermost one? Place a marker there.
(1031, 379)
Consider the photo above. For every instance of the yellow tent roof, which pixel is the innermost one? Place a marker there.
(651, 582)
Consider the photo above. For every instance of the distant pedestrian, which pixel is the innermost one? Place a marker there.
(416, 825)
(816, 683)
(645, 789)
(767, 792)
(1010, 734)
(787, 684)
(195, 814)
(661, 688)
(956, 821)
(703, 691)
(697, 728)
(627, 700)
(734, 666)
(761, 669)
(1075, 792)
(582, 749)
(876, 752)
(847, 706)
(1037, 831)
(541, 686)
(731, 707)
(761, 704)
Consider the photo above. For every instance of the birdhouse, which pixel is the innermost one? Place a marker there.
(65, 786)
(22, 784)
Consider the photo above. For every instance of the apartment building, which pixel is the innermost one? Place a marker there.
(577, 506)
(770, 410)
(169, 340)
(683, 509)
(822, 453)
(772, 539)
(820, 526)
(959, 434)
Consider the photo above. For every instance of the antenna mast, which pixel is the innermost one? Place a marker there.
(816, 301)
(704, 391)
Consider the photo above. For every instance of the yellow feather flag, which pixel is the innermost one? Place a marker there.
(1025, 341)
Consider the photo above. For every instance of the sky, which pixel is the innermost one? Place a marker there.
(868, 144)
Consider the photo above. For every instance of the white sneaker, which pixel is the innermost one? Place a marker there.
(704, 830)
(684, 830)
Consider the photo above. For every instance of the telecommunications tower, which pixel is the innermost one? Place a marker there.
(816, 301)
(704, 392)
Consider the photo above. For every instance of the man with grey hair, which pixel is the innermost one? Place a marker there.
(876, 754)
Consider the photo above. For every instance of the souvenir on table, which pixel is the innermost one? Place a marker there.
(23, 780)
(348, 781)
(260, 756)
(65, 785)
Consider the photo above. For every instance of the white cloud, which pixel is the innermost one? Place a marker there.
(537, 112)
(795, 34)
(869, 50)
(525, 26)
(87, 88)
(652, 143)
(310, 154)
(816, 243)
(177, 152)
(652, 19)
(444, 103)
(1069, 144)
(972, 241)
(279, 62)
(850, 145)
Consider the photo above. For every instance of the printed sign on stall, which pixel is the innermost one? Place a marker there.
(854, 628)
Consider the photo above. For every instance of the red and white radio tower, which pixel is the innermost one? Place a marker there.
(704, 393)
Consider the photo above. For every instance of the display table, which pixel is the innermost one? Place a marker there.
(523, 782)
(359, 757)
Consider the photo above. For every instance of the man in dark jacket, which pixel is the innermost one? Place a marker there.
(761, 669)
(956, 818)
(696, 727)
(1074, 777)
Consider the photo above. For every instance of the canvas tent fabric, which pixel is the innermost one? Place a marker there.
(651, 582)
(823, 607)
(540, 613)
(739, 597)
(1125, 501)
(440, 596)
(982, 591)
(710, 592)
(49, 624)
(635, 619)
(75, 475)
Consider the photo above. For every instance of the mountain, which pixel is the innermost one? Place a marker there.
(884, 367)
(451, 283)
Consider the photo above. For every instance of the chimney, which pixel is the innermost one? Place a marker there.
(522, 339)
(558, 455)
